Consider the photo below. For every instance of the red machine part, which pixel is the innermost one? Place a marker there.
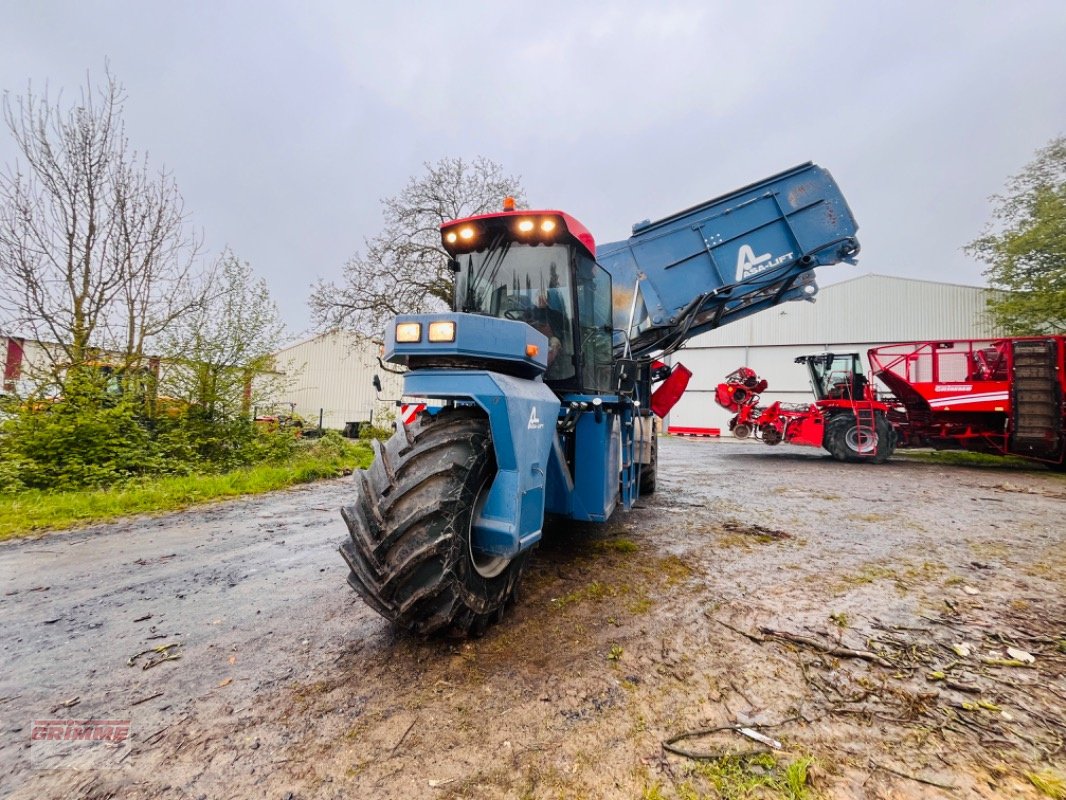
(794, 424)
(740, 393)
(673, 386)
(741, 388)
(561, 224)
(999, 396)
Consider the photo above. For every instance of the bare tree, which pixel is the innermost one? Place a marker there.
(95, 253)
(405, 268)
(214, 356)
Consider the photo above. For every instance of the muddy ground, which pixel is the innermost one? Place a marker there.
(859, 616)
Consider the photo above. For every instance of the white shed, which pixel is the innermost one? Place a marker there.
(332, 375)
(853, 315)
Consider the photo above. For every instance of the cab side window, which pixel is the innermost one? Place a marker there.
(594, 314)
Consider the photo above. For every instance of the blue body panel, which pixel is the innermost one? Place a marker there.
(597, 467)
(476, 336)
(522, 415)
(729, 257)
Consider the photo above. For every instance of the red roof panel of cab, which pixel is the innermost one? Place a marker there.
(573, 226)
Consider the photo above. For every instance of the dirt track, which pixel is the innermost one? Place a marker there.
(664, 621)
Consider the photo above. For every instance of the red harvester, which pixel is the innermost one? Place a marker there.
(1002, 396)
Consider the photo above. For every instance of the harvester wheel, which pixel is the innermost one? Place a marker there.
(846, 441)
(410, 550)
(647, 471)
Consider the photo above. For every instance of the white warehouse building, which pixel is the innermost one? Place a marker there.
(332, 374)
(853, 315)
(330, 377)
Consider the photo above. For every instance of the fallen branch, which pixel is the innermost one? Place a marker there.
(747, 731)
(164, 655)
(154, 737)
(146, 699)
(66, 704)
(840, 652)
(948, 786)
(745, 634)
(670, 746)
(396, 746)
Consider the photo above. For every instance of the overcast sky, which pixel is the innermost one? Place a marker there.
(286, 123)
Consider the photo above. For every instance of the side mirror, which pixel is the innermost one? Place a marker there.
(453, 264)
(377, 383)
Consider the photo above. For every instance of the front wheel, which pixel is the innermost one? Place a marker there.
(847, 440)
(410, 549)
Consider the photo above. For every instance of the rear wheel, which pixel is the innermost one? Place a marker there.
(410, 549)
(846, 440)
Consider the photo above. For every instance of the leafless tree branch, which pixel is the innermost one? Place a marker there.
(95, 250)
(405, 268)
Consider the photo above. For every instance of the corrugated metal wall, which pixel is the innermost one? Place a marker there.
(333, 373)
(856, 314)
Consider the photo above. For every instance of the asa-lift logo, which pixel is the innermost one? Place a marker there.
(749, 264)
(534, 421)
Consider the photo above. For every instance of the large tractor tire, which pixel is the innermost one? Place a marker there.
(410, 549)
(847, 442)
(647, 471)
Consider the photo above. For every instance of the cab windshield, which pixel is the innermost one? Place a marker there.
(837, 376)
(527, 283)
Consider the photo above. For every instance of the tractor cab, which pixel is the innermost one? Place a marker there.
(835, 376)
(538, 267)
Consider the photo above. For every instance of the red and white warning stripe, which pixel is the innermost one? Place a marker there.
(966, 399)
(408, 412)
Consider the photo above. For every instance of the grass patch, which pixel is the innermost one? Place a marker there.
(741, 777)
(617, 546)
(870, 517)
(673, 569)
(28, 511)
(642, 605)
(1048, 783)
(595, 591)
(868, 574)
(964, 458)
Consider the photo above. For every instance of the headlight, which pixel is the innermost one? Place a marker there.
(409, 332)
(467, 233)
(525, 225)
(547, 225)
(442, 331)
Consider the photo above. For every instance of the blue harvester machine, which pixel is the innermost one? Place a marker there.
(542, 377)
